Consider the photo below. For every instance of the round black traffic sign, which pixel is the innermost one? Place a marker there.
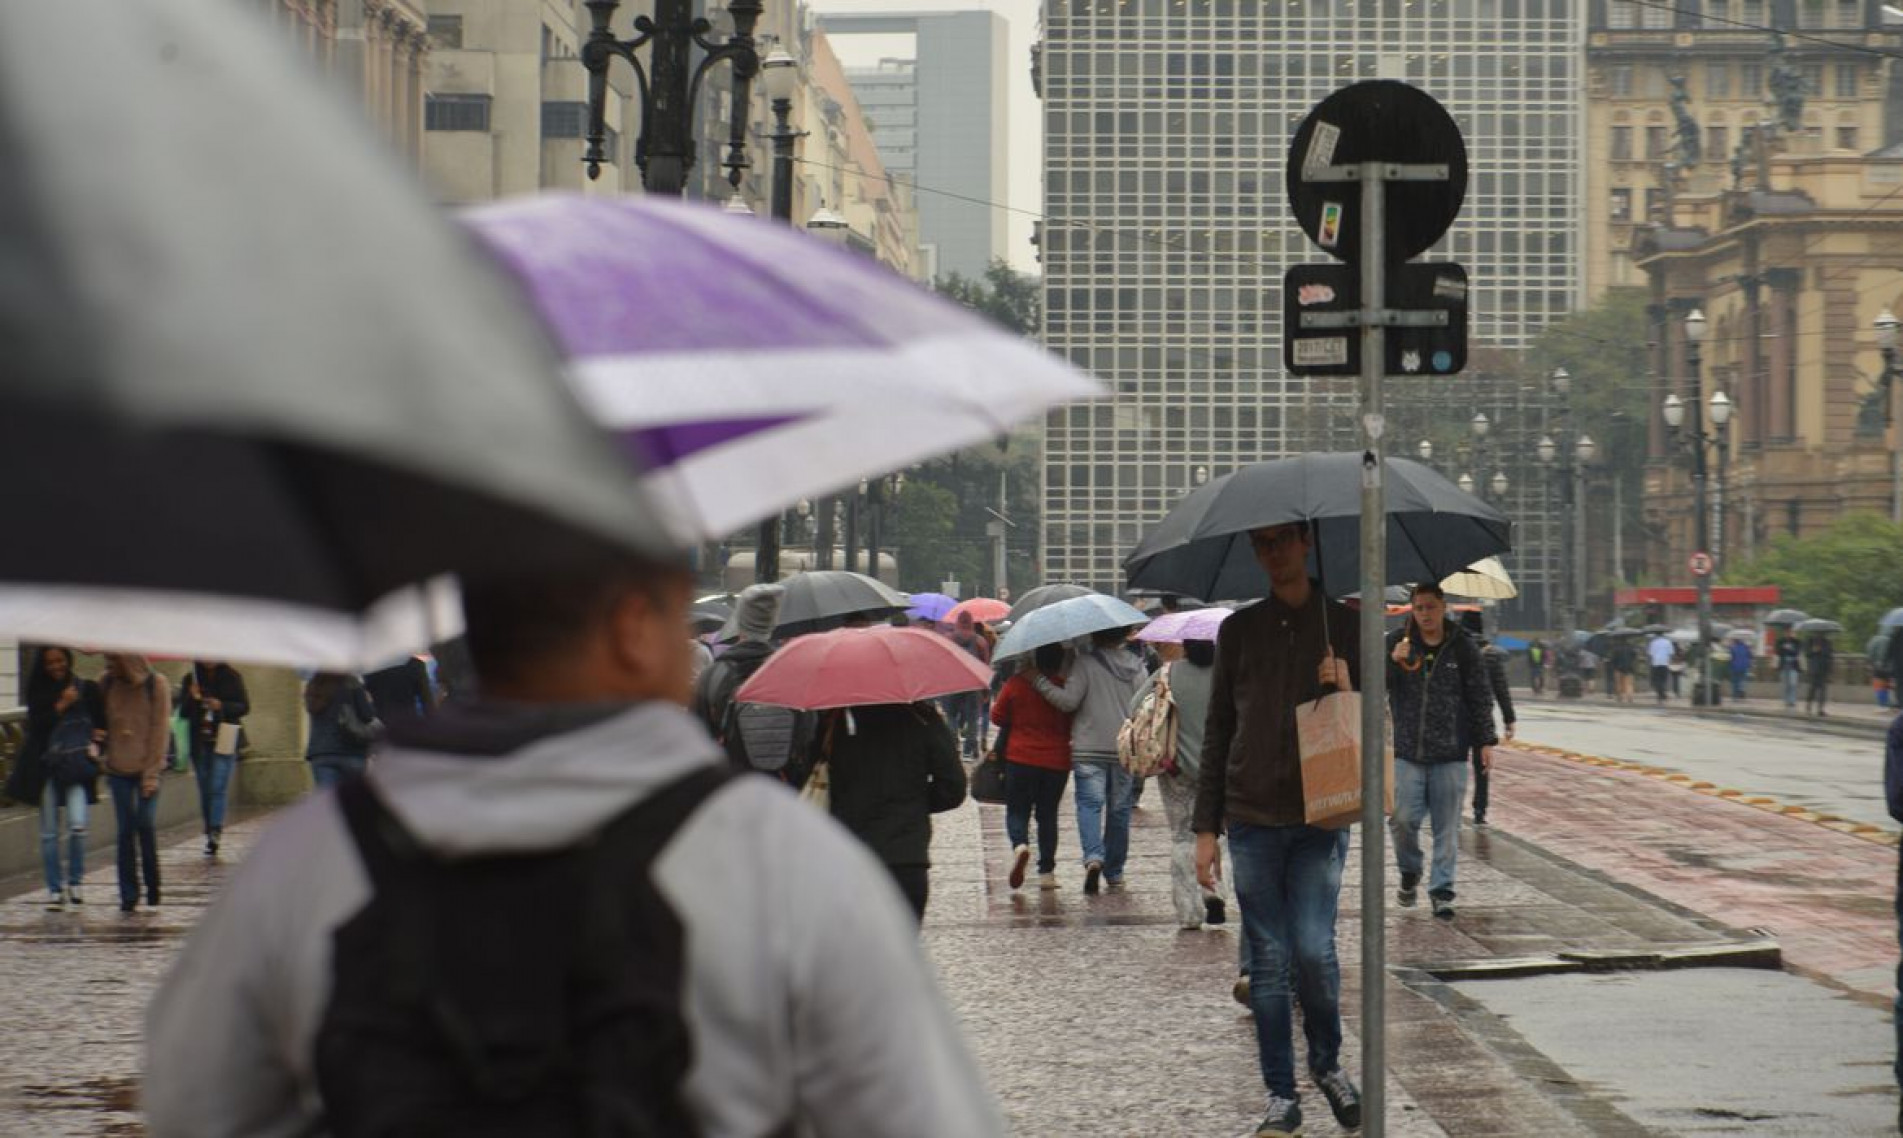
(1379, 120)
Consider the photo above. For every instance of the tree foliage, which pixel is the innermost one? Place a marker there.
(937, 526)
(1013, 299)
(1851, 573)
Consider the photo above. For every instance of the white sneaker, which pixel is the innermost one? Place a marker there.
(73, 897)
(1047, 881)
(56, 900)
(1020, 860)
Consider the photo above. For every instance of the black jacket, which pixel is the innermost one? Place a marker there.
(1443, 704)
(1496, 662)
(223, 684)
(27, 782)
(891, 774)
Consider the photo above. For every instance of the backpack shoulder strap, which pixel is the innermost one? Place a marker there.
(640, 832)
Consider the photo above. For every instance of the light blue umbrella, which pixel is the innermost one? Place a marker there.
(1068, 620)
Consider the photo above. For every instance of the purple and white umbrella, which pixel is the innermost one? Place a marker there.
(1176, 627)
(748, 365)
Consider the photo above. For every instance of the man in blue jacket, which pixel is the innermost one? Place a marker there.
(1438, 693)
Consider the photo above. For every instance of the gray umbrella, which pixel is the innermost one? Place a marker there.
(1787, 617)
(1045, 595)
(826, 598)
(253, 376)
(1201, 547)
(1817, 625)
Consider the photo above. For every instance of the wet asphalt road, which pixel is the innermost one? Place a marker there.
(1835, 774)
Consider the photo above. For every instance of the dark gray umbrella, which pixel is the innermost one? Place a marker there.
(1787, 617)
(255, 382)
(1045, 595)
(825, 598)
(1202, 546)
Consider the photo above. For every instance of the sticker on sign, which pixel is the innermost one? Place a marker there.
(1321, 147)
(1326, 351)
(1331, 225)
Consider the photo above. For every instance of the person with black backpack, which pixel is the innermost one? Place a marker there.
(57, 766)
(555, 910)
(343, 721)
(775, 741)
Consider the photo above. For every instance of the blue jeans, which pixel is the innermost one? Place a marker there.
(138, 827)
(1288, 883)
(1737, 684)
(1105, 834)
(331, 770)
(213, 773)
(73, 798)
(1432, 791)
(1789, 679)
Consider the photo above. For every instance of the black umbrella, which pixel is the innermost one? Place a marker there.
(1045, 595)
(1202, 546)
(825, 599)
(257, 386)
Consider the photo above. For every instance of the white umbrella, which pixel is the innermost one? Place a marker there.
(1485, 579)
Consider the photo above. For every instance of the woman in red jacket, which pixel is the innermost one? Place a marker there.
(1034, 742)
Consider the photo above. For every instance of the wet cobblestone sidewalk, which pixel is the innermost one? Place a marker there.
(1090, 1015)
(1098, 1016)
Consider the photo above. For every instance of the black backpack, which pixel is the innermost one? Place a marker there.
(510, 995)
(759, 736)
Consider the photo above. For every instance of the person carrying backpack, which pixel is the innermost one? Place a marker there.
(57, 766)
(774, 741)
(553, 910)
(343, 723)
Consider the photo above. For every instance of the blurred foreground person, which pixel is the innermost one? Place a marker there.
(554, 910)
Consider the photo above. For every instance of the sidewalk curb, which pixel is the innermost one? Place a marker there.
(1862, 830)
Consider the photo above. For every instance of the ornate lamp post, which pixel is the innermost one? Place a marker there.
(668, 86)
(1426, 451)
(1696, 441)
(1886, 326)
(780, 74)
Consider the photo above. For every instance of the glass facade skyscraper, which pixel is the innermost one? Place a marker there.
(1167, 232)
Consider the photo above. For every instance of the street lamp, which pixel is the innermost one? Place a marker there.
(1499, 484)
(1425, 450)
(779, 72)
(1693, 438)
(1562, 382)
(1466, 483)
(1201, 475)
(1478, 425)
(1886, 325)
(669, 86)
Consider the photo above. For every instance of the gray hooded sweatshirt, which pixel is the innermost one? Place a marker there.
(1097, 692)
(806, 994)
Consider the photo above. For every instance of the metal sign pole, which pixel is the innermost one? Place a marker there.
(1374, 541)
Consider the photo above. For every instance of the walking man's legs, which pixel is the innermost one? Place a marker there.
(125, 807)
(1410, 807)
(1446, 790)
(146, 821)
(1116, 828)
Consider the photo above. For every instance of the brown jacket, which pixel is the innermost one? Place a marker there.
(1267, 659)
(138, 721)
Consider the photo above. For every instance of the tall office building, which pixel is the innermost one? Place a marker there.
(888, 93)
(957, 100)
(1167, 231)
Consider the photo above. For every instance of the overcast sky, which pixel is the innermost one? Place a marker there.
(1026, 142)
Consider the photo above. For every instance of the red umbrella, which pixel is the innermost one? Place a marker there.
(982, 609)
(853, 667)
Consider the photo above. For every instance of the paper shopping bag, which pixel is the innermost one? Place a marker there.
(1330, 733)
(227, 741)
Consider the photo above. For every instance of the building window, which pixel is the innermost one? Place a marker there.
(1717, 80)
(1752, 13)
(1655, 205)
(564, 120)
(1717, 143)
(1656, 144)
(1846, 80)
(1621, 205)
(1621, 144)
(1619, 81)
(456, 112)
(446, 32)
(1813, 79)
(1622, 14)
(1847, 138)
(1810, 13)
(1849, 14)
(1657, 17)
(1655, 84)
(1750, 80)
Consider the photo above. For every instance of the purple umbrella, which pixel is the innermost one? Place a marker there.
(931, 606)
(1176, 627)
(749, 365)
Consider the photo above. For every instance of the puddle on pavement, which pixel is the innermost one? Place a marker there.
(1709, 1050)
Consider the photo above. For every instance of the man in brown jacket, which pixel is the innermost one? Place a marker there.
(1270, 658)
(138, 726)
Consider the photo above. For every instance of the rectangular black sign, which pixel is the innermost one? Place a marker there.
(1426, 287)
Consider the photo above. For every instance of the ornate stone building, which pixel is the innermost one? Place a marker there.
(377, 48)
(1790, 271)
